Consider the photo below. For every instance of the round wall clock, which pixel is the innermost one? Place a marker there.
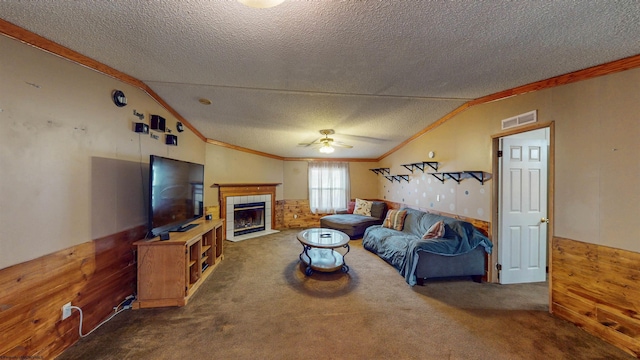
(118, 98)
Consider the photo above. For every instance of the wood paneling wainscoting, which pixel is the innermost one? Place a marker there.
(95, 276)
(598, 289)
(297, 214)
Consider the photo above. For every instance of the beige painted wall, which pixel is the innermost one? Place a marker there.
(364, 184)
(597, 159)
(458, 146)
(225, 165)
(296, 175)
(72, 168)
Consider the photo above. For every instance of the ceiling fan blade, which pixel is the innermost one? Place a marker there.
(342, 145)
(314, 142)
(363, 138)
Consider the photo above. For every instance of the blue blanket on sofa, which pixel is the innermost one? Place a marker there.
(400, 248)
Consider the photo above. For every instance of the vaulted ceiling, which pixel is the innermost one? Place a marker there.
(377, 72)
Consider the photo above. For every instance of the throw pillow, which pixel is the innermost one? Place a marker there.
(350, 207)
(363, 207)
(395, 219)
(436, 231)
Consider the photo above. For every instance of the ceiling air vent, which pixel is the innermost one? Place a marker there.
(522, 119)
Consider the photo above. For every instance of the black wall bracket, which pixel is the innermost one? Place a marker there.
(421, 166)
(381, 171)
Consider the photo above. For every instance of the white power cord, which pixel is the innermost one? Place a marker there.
(116, 310)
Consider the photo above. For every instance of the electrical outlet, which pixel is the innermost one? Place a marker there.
(66, 310)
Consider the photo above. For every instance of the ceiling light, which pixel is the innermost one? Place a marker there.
(326, 148)
(204, 101)
(261, 3)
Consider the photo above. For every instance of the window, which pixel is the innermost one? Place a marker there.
(328, 186)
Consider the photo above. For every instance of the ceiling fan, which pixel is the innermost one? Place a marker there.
(326, 142)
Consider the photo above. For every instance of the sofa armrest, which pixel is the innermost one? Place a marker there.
(342, 211)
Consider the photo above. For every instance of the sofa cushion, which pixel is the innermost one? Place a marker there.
(351, 224)
(395, 219)
(363, 207)
(413, 223)
(378, 209)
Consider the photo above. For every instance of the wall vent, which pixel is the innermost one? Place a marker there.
(522, 119)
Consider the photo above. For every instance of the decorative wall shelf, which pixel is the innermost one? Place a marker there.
(381, 171)
(421, 166)
(442, 176)
(397, 178)
(457, 176)
(479, 175)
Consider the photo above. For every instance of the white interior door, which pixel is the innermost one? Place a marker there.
(523, 210)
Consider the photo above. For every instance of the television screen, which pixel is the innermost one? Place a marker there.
(175, 194)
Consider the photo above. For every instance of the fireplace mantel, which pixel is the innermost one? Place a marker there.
(245, 189)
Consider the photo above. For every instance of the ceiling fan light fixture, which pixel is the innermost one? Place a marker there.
(326, 148)
(263, 4)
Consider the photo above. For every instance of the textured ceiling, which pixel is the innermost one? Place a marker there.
(377, 72)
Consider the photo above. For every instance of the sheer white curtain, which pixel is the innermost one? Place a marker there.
(328, 186)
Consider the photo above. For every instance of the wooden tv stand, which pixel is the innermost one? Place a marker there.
(170, 271)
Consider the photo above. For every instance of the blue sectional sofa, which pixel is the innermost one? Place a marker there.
(461, 251)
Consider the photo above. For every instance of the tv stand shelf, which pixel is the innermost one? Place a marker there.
(171, 271)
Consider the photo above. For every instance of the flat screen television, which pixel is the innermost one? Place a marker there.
(175, 194)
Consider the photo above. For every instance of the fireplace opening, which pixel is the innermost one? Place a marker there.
(248, 218)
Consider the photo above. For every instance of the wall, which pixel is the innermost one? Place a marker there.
(294, 209)
(72, 194)
(596, 287)
(228, 166)
(596, 188)
(363, 181)
(65, 146)
(460, 144)
(598, 160)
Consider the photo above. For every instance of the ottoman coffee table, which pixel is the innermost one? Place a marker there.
(318, 250)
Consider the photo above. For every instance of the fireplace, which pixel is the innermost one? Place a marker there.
(248, 218)
(231, 195)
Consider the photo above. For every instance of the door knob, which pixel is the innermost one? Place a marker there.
(544, 220)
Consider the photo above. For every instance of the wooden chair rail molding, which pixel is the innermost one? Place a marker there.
(596, 287)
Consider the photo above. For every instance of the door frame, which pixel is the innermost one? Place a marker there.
(492, 273)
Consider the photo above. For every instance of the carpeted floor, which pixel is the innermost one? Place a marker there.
(259, 305)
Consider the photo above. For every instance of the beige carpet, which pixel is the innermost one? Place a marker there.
(259, 305)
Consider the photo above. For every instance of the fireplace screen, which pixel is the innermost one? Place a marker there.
(248, 218)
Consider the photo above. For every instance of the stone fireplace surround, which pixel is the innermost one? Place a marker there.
(232, 193)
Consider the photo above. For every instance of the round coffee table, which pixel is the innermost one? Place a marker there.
(318, 250)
